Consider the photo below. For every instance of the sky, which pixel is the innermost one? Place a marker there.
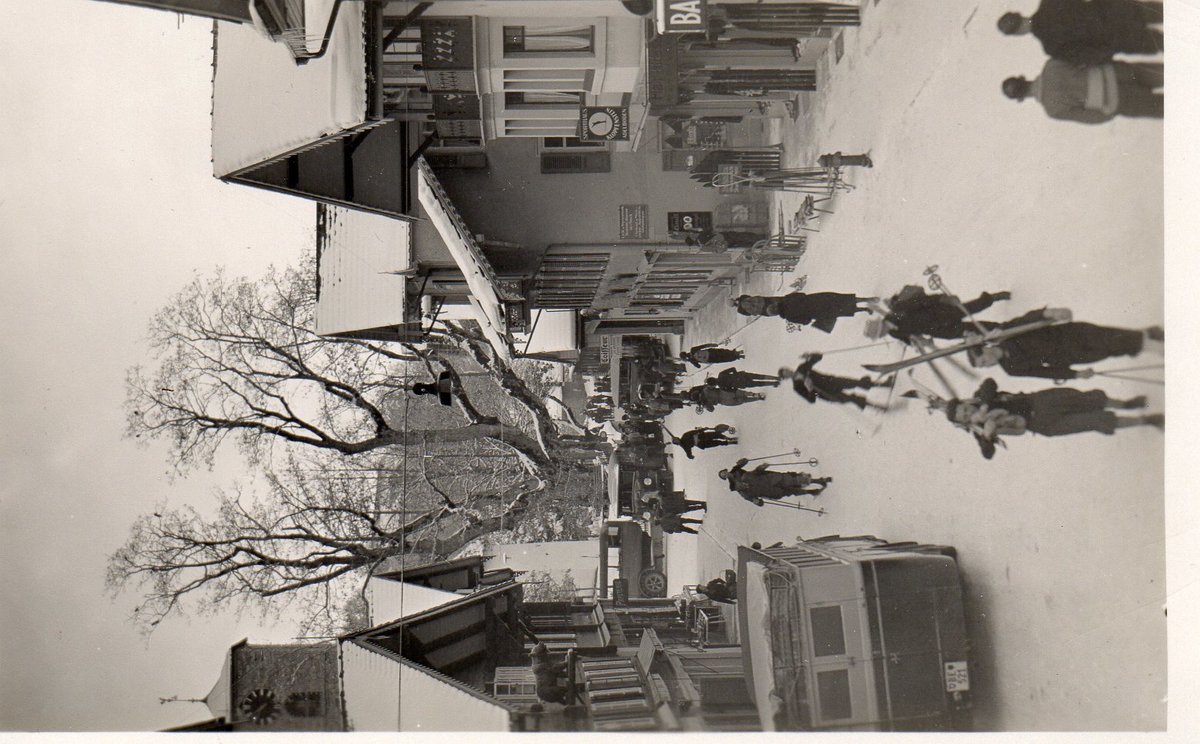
(107, 207)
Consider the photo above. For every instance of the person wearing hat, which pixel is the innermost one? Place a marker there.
(1090, 32)
(710, 354)
(818, 309)
(705, 438)
(813, 386)
(759, 484)
(1093, 94)
(838, 160)
(913, 312)
(991, 413)
(735, 379)
(1053, 350)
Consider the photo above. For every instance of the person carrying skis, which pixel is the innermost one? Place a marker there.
(912, 312)
(813, 386)
(991, 413)
(1052, 351)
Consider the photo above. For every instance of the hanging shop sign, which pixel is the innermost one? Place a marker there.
(603, 123)
(681, 16)
(689, 222)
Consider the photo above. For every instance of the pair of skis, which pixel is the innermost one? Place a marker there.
(991, 337)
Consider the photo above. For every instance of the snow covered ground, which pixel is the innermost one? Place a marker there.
(1061, 541)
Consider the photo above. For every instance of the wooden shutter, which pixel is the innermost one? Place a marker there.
(576, 162)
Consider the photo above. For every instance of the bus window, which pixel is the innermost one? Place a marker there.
(828, 636)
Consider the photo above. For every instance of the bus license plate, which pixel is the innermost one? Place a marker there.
(957, 678)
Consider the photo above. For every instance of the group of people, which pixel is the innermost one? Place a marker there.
(1081, 81)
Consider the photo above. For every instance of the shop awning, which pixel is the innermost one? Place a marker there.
(479, 275)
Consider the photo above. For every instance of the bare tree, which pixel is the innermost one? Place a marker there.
(237, 358)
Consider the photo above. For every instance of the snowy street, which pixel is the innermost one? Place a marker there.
(1060, 540)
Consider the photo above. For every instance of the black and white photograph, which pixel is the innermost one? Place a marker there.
(612, 366)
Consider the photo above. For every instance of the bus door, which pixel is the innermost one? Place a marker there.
(840, 649)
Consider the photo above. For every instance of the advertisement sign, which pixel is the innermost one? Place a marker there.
(634, 221)
(603, 123)
(681, 16)
(689, 222)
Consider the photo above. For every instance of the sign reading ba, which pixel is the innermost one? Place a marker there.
(681, 16)
(603, 123)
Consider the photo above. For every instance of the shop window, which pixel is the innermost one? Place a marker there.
(542, 99)
(558, 143)
(548, 39)
(576, 162)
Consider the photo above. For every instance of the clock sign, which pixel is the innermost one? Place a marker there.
(603, 123)
(260, 706)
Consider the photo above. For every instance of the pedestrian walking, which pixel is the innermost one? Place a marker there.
(992, 413)
(708, 397)
(677, 502)
(1090, 32)
(813, 386)
(706, 438)
(819, 309)
(913, 312)
(1093, 94)
(735, 379)
(761, 483)
(838, 160)
(1053, 351)
(674, 524)
(710, 354)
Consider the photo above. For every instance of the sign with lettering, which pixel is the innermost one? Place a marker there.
(689, 222)
(447, 44)
(681, 16)
(634, 221)
(603, 123)
(620, 591)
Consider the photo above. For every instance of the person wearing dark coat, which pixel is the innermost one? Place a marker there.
(1053, 350)
(708, 397)
(838, 160)
(677, 502)
(705, 438)
(718, 590)
(1093, 94)
(760, 483)
(818, 309)
(813, 386)
(735, 379)
(913, 312)
(1090, 32)
(991, 413)
(710, 354)
(674, 523)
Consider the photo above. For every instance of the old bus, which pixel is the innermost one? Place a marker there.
(857, 634)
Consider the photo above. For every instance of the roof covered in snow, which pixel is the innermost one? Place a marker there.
(394, 600)
(384, 692)
(361, 257)
(266, 105)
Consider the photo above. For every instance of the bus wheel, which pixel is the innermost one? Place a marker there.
(653, 583)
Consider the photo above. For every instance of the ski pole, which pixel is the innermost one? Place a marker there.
(794, 452)
(818, 511)
(1135, 369)
(1132, 378)
(748, 324)
(935, 282)
(811, 462)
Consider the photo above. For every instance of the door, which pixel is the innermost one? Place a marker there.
(840, 660)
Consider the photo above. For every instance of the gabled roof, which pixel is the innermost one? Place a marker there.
(361, 258)
(265, 105)
(478, 272)
(395, 600)
(385, 692)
